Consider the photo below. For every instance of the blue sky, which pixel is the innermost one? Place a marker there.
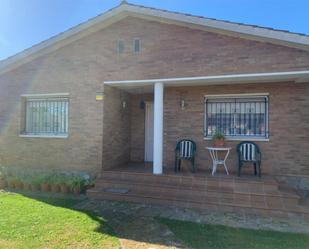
(24, 23)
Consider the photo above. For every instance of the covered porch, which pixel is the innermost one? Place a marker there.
(154, 114)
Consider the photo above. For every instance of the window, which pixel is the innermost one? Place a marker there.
(237, 117)
(137, 45)
(46, 116)
(120, 46)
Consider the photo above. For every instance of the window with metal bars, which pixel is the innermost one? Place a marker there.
(46, 116)
(241, 116)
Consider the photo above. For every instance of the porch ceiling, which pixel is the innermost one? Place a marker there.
(147, 85)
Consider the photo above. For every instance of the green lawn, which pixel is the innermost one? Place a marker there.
(50, 223)
(27, 222)
(201, 236)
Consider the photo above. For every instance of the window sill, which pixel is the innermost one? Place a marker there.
(43, 136)
(253, 139)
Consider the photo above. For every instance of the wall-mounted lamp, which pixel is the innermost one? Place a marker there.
(183, 104)
(142, 104)
(124, 104)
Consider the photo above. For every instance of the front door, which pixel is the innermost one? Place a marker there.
(149, 132)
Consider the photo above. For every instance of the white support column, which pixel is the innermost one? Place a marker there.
(158, 129)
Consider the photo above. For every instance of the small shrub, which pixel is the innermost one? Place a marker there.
(34, 178)
(218, 135)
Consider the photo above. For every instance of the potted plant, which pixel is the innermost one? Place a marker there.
(218, 139)
(88, 181)
(89, 184)
(11, 177)
(3, 183)
(27, 183)
(44, 185)
(12, 180)
(18, 183)
(54, 181)
(35, 182)
(26, 179)
(19, 174)
(63, 181)
(77, 183)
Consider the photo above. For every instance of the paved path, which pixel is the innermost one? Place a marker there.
(136, 230)
(137, 226)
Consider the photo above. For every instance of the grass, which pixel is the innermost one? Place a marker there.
(50, 223)
(42, 222)
(203, 236)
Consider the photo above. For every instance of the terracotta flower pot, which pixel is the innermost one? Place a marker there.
(76, 190)
(19, 185)
(219, 142)
(55, 188)
(27, 186)
(11, 183)
(45, 187)
(64, 188)
(35, 187)
(89, 186)
(3, 183)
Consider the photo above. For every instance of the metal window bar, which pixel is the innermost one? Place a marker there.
(237, 117)
(46, 116)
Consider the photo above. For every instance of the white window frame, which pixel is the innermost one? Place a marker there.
(26, 97)
(237, 96)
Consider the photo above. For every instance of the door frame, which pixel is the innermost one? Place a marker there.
(145, 124)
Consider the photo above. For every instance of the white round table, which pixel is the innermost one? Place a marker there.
(215, 157)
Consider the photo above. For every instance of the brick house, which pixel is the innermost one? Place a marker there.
(128, 84)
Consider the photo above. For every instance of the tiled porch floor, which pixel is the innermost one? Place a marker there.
(199, 190)
(146, 170)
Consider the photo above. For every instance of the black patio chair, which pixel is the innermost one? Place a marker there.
(249, 152)
(185, 150)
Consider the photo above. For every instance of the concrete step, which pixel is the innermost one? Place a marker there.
(194, 188)
(227, 183)
(189, 194)
(178, 178)
(199, 191)
(150, 198)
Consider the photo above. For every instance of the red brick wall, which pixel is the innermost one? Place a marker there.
(117, 127)
(286, 152)
(81, 67)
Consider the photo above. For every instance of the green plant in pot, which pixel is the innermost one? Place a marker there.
(27, 182)
(26, 178)
(63, 180)
(3, 182)
(45, 182)
(19, 176)
(12, 181)
(35, 181)
(77, 183)
(12, 177)
(90, 183)
(55, 181)
(218, 139)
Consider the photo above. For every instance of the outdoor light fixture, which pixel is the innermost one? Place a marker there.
(183, 104)
(142, 104)
(124, 104)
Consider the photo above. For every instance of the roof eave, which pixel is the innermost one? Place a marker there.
(294, 76)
